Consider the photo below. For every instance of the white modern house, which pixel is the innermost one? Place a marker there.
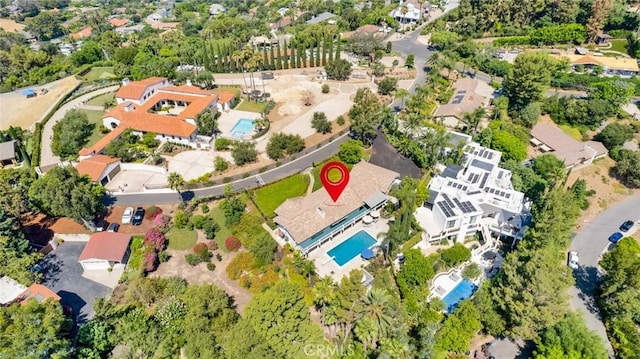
(477, 196)
(408, 12)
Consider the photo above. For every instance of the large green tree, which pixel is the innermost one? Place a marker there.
(281, 145)
(338, 69)
(14, 186)
(33, 331)
(70, 134)
(570, 338)
(529, 78)
(281, 318)
(63, 192)
(365, 115)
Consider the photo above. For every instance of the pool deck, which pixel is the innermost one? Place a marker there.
(229, 119)
(326, 266)
(443, 283)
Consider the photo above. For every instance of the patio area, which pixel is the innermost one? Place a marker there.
(444, 283)
(325, 265)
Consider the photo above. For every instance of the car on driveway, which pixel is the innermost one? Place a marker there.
(573, 260)
(101, 225)
(138, 216)
(614, 238)
(626, 226)
(113, 227)
(127, 215)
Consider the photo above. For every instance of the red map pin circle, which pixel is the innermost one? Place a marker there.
(334, 187)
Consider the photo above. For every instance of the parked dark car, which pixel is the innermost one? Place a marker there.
(614, 238)
(101, 225)
(626, 226)
(138, 216)
(113, 227)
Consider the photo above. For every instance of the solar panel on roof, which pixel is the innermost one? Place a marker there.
(448, 211)
(457, 100)
(484, 180)
(448, 200)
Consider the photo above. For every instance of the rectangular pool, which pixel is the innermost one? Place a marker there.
(351, 248)
(460, 292)
(243, 127)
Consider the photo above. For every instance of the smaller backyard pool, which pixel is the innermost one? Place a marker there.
(243, 127)
(460, 292)
(351, 248)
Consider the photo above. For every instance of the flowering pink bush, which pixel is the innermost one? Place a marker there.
(232, 243)
(150, 262)
(212, 245)
(155, 239)
(162, 220)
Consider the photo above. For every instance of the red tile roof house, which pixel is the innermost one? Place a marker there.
(139, 108)
(84, 33)
(226, 100)
(100, 168)
(105, 250)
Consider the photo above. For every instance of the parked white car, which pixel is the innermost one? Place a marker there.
(127, 215)
(573, 260)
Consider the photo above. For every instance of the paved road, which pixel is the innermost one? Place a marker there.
(48, 158)
(409, 44)
(288, 169)
(590, 243)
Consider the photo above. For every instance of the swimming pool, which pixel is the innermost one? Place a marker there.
(243, 127)
(460, 292)
(351, 248)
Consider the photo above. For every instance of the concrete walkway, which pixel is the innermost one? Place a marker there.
(48, 158)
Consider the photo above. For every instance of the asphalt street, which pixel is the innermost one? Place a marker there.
(590, 243)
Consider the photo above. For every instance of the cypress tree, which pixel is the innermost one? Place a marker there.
(233, 65)
(325, 46)
(286, 55)
(294, 55)
(317, 54)
(272, 63)
(303, 55)
(264, 64)
(219, 59)
(330, 48)
(279, 57)
(338, 49)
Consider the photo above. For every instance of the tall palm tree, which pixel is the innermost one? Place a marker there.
(473, 119)
(366, 331)
(325, 294)
(175, 181)
(376, 308)
(412, 125)
(238, 57)
(402, 93)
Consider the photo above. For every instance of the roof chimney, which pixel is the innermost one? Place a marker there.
(125, 81)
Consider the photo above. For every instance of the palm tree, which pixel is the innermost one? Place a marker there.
(308, 269)
(367, 333)
(413, 125)
(238, 57)
(325, 292)
(402, 94)
(473, 119)
(175, 181)
(376, 308)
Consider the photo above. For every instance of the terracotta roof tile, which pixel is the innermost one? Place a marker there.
(224, 97)
(110, 246)
(115, 22)
(39, 292)
(103, 142)
(186, 89)
(86, 32)
(135, 89)
(95, 166)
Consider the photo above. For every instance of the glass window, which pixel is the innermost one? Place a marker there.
(450, 224)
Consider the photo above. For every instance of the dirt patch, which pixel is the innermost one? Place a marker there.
(177, 266)
(40, 228)
(316, 138)
(25, 112)
(9, 25)
(608, 190)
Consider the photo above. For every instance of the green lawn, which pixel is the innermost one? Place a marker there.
(619, 45)
(99, 73)
(95, 118)
(268, 198)
(100, 100)
(223, 232)
(181, 239)
(252, 106)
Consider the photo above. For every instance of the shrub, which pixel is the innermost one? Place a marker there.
(212, 245)
(242, 262)
(162, 221)
(204, 208)
(152, 212)
(232, 243)
(325, 88)
(181, 219)
(223, 144)
(455, 255)
(192, 259)
(201, 250)
(211, 266)
(350, 152)
(155, 239)
(103, 129)
(340, 120)
(164, 257)
(150, 262)
(219, 257)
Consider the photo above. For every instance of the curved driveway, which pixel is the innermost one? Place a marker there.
(590, 243)
(48, 158)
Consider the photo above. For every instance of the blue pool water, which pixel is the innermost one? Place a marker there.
(462, 291)
(243, 127)
(351, 248)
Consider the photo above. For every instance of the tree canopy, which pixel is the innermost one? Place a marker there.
(281, 145)
(71, 134)
(529, 78)
(63, 192)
